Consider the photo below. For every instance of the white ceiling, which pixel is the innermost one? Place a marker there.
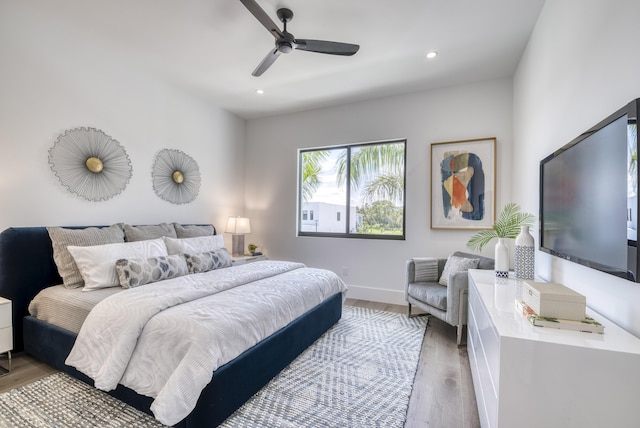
(211, 47)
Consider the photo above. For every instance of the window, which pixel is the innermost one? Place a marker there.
(364, 183)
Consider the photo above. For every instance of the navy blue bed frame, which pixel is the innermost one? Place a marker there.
(27, 266)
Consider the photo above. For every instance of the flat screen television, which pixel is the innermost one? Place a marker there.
(589, 197)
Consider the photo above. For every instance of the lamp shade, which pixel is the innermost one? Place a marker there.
(238, 226)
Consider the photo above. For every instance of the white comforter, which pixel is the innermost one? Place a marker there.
(165, 339)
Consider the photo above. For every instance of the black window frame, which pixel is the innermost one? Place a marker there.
(347, 234)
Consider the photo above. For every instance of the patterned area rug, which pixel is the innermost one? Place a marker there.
(358, 374)
(61, 401)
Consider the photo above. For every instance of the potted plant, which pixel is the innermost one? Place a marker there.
(252, 248)
(508, 225)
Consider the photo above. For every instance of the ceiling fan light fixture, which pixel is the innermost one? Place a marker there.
(432, 54)
(285, 47)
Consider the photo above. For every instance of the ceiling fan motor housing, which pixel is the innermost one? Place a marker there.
(285, 44)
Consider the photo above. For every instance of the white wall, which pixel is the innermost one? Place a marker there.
(52, 79)
(581, 64)
(375, 268)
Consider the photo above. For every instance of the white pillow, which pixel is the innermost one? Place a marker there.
(199, 244)
(97, 264)
(456, 264)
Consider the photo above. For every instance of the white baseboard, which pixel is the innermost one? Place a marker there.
(376, 294)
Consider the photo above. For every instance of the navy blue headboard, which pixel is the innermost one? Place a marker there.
(26, 267)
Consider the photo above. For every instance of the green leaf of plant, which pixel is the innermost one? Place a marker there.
(481, 239)
(507, 225)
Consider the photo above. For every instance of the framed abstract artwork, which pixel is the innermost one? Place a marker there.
(463, 184)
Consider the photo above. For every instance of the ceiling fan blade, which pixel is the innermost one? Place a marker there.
(262, 16)
(266, 62)
(326, 47)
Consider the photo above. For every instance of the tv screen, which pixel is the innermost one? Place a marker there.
(588, 197)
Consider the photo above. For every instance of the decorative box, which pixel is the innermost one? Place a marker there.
(553, 300)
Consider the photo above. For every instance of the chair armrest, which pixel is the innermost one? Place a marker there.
(457, 282)
(409, 273)
(409, 276)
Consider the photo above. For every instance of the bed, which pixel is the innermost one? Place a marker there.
(27, 267)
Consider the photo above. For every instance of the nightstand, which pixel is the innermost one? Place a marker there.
(243, 260)
(6, 333)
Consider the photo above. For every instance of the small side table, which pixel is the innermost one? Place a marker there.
(6, 333)
(243, 260)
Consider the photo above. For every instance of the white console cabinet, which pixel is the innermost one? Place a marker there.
(526, 376)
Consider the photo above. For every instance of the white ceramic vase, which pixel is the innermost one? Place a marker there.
(524, 263)
(501, 259)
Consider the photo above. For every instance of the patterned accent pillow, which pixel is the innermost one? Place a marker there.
(209, 260)
(61, 238)
(456, 264)
(135, 272)
(143, 233)
(192, 231)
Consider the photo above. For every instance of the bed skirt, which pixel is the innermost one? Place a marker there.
(232, 384)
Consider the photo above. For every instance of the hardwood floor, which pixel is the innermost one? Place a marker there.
(442, 395)
(24, 370)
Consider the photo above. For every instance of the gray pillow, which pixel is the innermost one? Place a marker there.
(135, 272)
(209, 260)
(61, 238)
(426, 269)
(193, 231)
(456, 264)
(144, 233)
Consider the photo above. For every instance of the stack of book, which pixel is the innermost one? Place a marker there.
(588, 324)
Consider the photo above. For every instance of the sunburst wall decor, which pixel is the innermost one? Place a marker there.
(176, 176)
(90, 163)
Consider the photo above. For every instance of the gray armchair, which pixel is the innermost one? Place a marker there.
(448, 303)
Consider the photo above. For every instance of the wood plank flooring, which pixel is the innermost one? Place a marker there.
(442, 395)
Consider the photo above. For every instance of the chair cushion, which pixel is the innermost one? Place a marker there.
(430, 293)
(456, 264)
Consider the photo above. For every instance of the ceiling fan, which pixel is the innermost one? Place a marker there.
(286, 42)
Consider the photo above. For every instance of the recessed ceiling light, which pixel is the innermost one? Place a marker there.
(259, 91)
(432, 54)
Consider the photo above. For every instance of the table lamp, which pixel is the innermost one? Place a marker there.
(238, 227)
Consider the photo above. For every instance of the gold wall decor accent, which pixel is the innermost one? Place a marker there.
(94, 164)
(176, 176)
(90, 163)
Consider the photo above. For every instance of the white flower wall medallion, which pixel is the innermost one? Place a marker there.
(90, 164)
(176, 176)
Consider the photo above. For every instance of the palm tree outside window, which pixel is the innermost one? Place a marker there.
(365, 183)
